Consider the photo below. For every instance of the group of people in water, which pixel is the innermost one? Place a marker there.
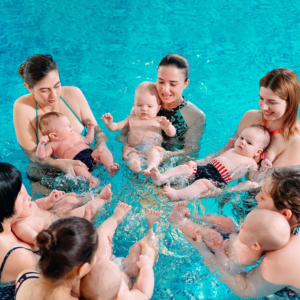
(50, 249)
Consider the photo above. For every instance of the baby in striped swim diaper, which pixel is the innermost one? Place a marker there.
(229, 166)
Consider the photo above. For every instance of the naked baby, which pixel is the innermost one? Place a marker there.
(229, 166)
(109, 280)
(145, 127)
(68, 144)
(263, 230)
(40, 214)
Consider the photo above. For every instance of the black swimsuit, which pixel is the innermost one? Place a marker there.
(25, 276)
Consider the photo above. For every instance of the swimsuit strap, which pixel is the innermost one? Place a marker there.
(296, 230)
(222, 170)
(37, 121)
(71, 110)
(7, 255)
(25, 276)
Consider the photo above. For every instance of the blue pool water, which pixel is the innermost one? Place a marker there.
(107, 48)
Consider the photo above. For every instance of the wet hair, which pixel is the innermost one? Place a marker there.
(285, 84)
(68, 243)
(177, 61)
(148, 86)
(284, 189)
(46, 121)
(36, 67)
(267, 136)
(10, 187)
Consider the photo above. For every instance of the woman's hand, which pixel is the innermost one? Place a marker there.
(217, 245)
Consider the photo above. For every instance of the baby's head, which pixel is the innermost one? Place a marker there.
(56, 125)
(252, 141)
(146, 101)
(265, 230)
(103, 282)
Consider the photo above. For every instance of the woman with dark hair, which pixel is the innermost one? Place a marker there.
(279, 271)
(68, 251)
(172, 78)
(41, 78)
(15, 256)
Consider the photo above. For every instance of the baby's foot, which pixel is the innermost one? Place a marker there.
(157, 178)
(171, 193)
(179, 211)
(106, 193)
(146, 172)
(112, 169)
(136, 167)
(121, 211)
(152, 217)
(93, 182)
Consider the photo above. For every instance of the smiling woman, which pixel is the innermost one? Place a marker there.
(41, 78)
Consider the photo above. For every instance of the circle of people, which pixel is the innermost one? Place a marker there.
(55, 127)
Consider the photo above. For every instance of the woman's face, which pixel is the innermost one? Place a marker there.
(23, 203)
(272, 106)
(47, 90)
(170, 83)
(264, 199)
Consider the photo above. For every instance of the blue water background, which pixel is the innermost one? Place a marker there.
(107, 48)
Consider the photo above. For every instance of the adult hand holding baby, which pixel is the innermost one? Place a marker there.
(216, 245)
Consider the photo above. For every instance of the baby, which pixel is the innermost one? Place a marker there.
(36, 216)
(67, 144)
(144, 128)
(263, 230)
(229, 166)
(107, 280)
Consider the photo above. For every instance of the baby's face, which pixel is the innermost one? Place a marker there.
(145, 106)
(250, 142)
(246, 235)
(62, 128)
(263, 198)
(23, 203)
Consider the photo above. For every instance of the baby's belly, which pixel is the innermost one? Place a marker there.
(145, 137)
(71, 152)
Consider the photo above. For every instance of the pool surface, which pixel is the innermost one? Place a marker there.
(106, 48)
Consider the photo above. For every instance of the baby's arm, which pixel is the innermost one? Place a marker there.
(230, 144)
(42, 151)
(258, 175)
(24, 232)
(89, 138)
(112, 126)
(167, 126)
(48, 202)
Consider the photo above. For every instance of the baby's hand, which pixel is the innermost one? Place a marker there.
(217, 245)
(164, 122)
(44, 140)
(55, 196)
(265, 165)
(90, 125)
(192, 164)
(145, 260)
(107, 118)
(230, 143)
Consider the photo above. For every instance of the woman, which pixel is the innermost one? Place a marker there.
(15, 256)
(172, 78)
(41, 78)
(68, 251)
(279, 271)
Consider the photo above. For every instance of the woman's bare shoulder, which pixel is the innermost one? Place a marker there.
(25, 100)
(71, 91)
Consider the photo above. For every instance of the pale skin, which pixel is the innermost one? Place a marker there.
(38, 215)
(46, 92)
(65, 143)
(280, 267)
(170, 85)
(238, 160)
(139, 261)
(145, 127)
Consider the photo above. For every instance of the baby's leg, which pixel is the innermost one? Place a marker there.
(107, 160)
(94, 205)
(226, 224)
(186, 226)
(159, 179)
(136, 250)
(154, 159)
(193, 191)
(134, 162)
(81, 171)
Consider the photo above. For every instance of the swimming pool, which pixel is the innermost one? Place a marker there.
(108, 48)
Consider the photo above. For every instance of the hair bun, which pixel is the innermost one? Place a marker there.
(46, 240)
(22, 68)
